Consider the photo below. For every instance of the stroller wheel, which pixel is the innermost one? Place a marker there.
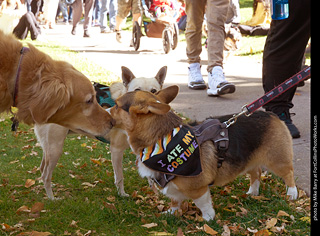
(175, 37)
(166, 40)
(136, 34)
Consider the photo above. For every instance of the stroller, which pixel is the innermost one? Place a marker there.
(164, 27)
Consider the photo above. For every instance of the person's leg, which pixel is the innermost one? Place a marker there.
(136, 11)
(77, 12)
(195, 10)
(103, 16)
(33, 26)
(283, 55)
(216, 17)
(123, 10)
(113, 9)
(88, 9)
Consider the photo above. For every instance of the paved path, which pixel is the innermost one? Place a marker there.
(244, 72)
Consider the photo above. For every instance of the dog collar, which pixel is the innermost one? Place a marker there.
(16, 86)
(177, 153)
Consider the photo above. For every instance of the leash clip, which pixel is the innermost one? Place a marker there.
(233, 119)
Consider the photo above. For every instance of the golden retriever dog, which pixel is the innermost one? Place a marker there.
(52, 136)
(47, 91)
(169, 150)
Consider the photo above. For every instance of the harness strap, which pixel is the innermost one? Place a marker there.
(217, 132)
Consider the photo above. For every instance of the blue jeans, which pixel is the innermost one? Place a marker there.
(110, 6)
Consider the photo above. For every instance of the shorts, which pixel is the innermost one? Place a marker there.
(124, 7)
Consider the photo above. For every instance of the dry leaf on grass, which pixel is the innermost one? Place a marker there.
(263, 232)
(272, 222)
(151, 225)
(37, 207)
(282, 213)
(209, 230)
(23, 209)
(35, 233)
(29, 183)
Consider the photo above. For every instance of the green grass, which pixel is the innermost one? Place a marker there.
(89, 198)
(93, 71)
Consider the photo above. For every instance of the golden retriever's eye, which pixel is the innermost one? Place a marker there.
(90, 101)
(153, 91)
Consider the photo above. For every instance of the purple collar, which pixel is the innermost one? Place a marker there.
(16, 86)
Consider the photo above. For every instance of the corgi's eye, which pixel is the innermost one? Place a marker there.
(153, 91)
(137, 89)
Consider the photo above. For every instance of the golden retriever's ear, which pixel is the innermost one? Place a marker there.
(161, 75)
(168, 94)
(127, 75)
(51, 96)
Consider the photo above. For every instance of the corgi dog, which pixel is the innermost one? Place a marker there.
(258, 140)
(51, 136)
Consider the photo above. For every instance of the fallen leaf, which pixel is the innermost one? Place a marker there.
(35, 233)
(263, 232)
(23, 209)
(306, 219)
(109, 206)
(37, 207)
(6, 227)
(209, 230)
(272, 222)
(87, 184)
(151, 225)
(260, 198)
(29, 183)
(96, 161)
(282, 213)
(226, 231)
(180, 232)
(252, 230)
(154, 233)
(243, 212)
(88, 233)
(73, 224)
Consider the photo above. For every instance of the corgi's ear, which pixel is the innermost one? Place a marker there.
(161, 75)
(158, 108)
(153, 107)
(127, 75)
(168, 94)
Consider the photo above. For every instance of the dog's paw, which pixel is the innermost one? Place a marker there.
(170, 211)
(254, 188)
(123, 194)
(207, 216)
(292, 193)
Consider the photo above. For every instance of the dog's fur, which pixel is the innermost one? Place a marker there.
(52, 136)
(49, 91)
(255, 141)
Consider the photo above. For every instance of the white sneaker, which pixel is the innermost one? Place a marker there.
(118, 36)
(195, 80)
(217, 83)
